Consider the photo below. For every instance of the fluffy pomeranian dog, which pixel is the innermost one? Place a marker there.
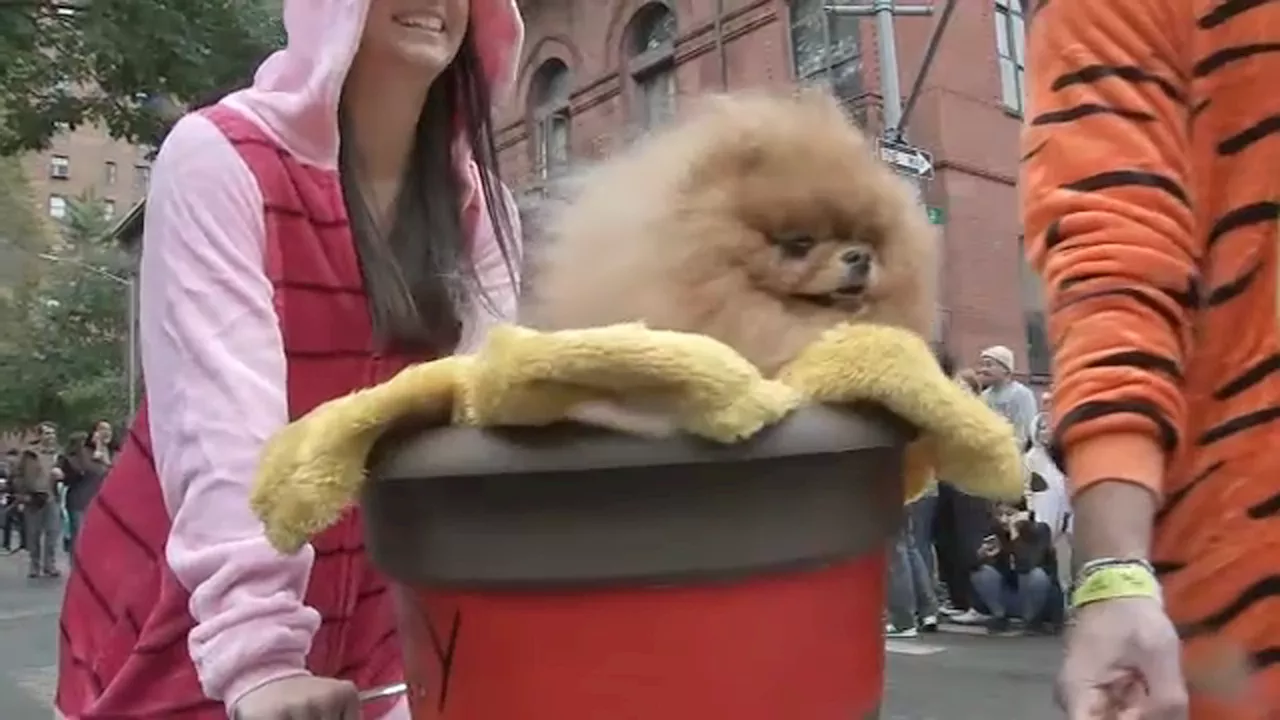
(759, 219)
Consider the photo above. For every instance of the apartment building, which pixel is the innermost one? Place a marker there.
(87, 163)
(596, 71)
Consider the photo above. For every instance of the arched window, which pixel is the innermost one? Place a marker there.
(651, 49)
(825, 48)
(549, 96)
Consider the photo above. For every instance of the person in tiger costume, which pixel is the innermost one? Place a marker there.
(1151, 153)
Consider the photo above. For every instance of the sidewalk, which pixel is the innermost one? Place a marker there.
(22, 597)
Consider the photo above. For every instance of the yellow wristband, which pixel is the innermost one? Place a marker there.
(1116, 581)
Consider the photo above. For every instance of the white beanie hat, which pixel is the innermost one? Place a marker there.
(999, 354)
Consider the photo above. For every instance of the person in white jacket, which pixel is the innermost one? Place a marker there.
(1047, 495)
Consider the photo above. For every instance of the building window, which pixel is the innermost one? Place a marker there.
(141, 176)
(550, 99)
(1039, 352)
(57, 207)
(59, 167)
(825, 48)
(108, 209)
(109, 173)
(1011, 47)
(652, 49)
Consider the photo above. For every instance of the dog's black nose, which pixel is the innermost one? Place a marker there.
(858, 260)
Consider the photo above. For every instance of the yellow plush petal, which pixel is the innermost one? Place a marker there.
(973, 447)
(312, 470)
(523, 377)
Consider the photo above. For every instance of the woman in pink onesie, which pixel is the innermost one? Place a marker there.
(305, 237)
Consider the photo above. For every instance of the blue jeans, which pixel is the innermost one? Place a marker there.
(75, 518)
(1027, 599)
(923, 512)
(911, 594)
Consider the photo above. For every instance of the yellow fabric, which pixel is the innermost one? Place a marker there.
(312, 470)
(1117, 581)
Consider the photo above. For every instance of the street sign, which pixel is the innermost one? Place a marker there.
(907, 159)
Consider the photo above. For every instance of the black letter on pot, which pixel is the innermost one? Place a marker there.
(444, 654)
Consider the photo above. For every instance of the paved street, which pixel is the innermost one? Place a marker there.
(28, 633)
(948, 676)
(957, 676)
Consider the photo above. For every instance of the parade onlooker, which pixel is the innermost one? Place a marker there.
(1015, 572)
(913, 603)
(102, 443)
(37, 487)
(959, 523)
(924, 510)
(968, 379)
(913, 600)
(83, 468)
(10, 508)
(1048, 496)
(965, 517)
(1002, 393)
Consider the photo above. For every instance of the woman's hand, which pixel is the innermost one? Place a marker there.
(301, 697)
(989, 548)
(1123, 663)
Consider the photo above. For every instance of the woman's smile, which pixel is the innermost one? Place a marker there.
(424, 22)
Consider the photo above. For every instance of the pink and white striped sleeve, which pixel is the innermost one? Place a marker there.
(215, 370)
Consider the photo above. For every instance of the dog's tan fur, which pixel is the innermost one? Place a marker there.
(675, 232)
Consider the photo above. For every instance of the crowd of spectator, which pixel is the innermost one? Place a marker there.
(969, 561)
(45, 487)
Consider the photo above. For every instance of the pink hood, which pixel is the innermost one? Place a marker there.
(296, 91)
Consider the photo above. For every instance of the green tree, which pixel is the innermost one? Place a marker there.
(22, 232)
(67, 362)
(64, 63)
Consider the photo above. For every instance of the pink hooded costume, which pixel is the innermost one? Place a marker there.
(253, 312)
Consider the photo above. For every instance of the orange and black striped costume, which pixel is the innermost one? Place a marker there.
(1149, 186)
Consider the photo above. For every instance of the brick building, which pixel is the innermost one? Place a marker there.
(595, 71)
(87, 163)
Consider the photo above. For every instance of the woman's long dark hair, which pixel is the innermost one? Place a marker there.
(419, 275)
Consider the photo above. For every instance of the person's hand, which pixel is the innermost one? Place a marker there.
(1122, 663)
(301, 697)
(989, 548)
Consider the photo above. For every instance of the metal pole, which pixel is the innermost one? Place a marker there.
(887, 44)
(890, 94)
(827, 75)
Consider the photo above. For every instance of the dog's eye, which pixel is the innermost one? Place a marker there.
(795, 246)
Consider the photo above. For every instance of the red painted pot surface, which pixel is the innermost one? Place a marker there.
(801, 644)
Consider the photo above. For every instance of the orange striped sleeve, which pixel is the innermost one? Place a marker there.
(1107, 214)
